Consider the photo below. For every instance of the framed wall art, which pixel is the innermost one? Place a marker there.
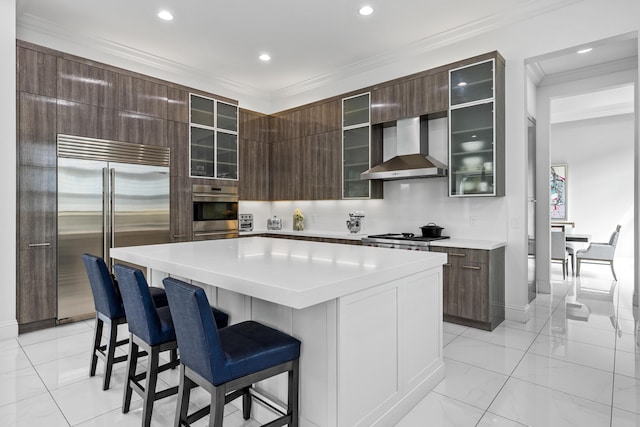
(558, 195)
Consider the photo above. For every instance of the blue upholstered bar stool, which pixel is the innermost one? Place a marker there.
(109, 311)
(150, 329)
(228, 361)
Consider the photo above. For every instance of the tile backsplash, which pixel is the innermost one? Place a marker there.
(407, 205)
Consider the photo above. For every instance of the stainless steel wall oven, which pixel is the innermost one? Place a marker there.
(215, 212)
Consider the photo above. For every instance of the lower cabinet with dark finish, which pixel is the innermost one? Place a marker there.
(473, 286)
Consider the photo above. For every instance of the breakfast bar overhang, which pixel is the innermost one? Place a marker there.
(369, 319)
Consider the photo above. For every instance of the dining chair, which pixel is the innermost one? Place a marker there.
(110, 311)
(599, 253)
(227, 362)
(559, 251)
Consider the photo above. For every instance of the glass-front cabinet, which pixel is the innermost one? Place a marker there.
(356, 146)
(475, 145)
(213, 138)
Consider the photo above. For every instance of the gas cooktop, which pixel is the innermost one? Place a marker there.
(406, 236)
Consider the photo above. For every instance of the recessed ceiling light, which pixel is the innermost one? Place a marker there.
(265, 57)
(586, 50)
(365, 10)
(165, 14)
(462, 84)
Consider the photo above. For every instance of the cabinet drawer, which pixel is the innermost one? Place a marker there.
(463, 255)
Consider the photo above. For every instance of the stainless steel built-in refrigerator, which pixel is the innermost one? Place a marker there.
(110, 194)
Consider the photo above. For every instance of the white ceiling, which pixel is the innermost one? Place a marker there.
(223, 39)
(607, 56)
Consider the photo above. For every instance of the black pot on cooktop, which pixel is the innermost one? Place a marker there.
(431, 230)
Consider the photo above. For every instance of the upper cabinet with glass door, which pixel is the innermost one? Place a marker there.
(213, 138)
(476, 129)
(356, 146)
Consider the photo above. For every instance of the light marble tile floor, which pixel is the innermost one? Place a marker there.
(575, 363)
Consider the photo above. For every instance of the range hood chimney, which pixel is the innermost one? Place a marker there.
(412, 158)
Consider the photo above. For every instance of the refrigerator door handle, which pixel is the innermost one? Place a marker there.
(106, 221)
(110, 215)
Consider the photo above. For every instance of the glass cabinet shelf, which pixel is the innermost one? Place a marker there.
(213, 138)
(472, 83)
(472, 131)
(356, 146)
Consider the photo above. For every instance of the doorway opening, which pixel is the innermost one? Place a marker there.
(584, 107)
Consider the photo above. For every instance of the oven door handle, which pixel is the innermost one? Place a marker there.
(205, 197)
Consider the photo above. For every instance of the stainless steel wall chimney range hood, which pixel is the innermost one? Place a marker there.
(412, 158)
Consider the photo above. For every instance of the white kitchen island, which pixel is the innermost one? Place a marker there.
(369, 319)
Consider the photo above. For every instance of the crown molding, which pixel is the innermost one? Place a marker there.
(599, 111)
(38, 31)
(419, 48)
(611, 67)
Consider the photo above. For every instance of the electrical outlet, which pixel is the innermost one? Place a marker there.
(473, 220)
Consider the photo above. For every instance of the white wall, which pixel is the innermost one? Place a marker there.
(599, 155)
(8, 324)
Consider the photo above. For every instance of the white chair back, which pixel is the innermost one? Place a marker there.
(558, 245)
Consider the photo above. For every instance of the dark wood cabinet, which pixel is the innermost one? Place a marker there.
(36, 299)
(141, 129)
(36, 72)
(254, 155)
(254, 170)
(321, 166)
(36, 275)
(410, 97)
(389, 103)
(36, 130)
(85, 84)
(473, 286)
(85, 120)
(285, 168)
(427, 95)
(142, 96)
(181, 215)
(177, 105)
(178, 142)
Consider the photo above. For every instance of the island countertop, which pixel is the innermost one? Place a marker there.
(293, 273)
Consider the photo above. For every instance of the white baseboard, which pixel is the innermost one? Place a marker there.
(8, 330)
(517, 313)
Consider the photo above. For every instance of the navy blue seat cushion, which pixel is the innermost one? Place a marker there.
(222, 318)
(159, 296)
(167, 332)
(251, 347)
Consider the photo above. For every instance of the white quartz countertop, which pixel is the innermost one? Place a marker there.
(306, 233)
(293, 273)
(448, 243)
(469, 243)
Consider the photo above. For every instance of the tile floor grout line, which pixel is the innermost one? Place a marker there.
(48, 390)
(524, 354)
